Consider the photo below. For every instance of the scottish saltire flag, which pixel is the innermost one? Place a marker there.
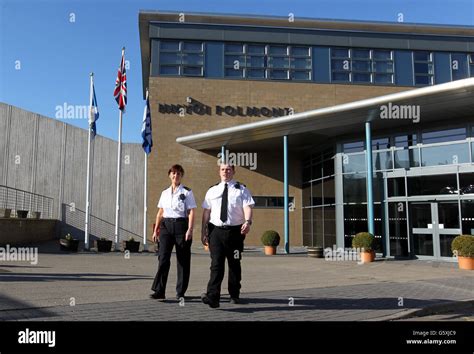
(120, 92)
(94, 112)
(146, 127)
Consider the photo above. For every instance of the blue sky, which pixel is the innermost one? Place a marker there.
(49, 47)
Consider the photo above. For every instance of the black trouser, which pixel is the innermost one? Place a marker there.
(225, 243)
(172, 233)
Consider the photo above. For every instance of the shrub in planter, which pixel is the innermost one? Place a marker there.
(22, 214)
(69, 243)
(103, 245)
(463, 247)
(270, 239)
(365, 241)
(131, 245)
(5, 212)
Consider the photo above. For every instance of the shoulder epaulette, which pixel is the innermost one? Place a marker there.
(187, 188)
(237, 185)
(214, 185)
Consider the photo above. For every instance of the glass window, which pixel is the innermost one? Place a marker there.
(300, 75)
(256, 73)
(382, 160)
(405, 140)
(381, 143)
(397, 221)
(192, 47)
(354, 188)
(452, 154)
(357, 146)
(382, 54)
(423, 67)
(279, 74)
(271, 202)
(459, 66)
(406, 158)
(467, 217)
(355, 221)
(471, 64)
(432, 185)
(353, 163)
(260, 61)
(169, 46)
(169, 70)
(440, 136)
(396, 187)
(275, 50)
(362, 65)
(187, 57)
(256, 49)
(361, 53)
(234, 48)
(231, 72)
(466, 184)
(193, 59)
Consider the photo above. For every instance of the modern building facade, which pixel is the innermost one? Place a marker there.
(334, 102)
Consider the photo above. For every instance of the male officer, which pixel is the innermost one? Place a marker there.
(226, 220)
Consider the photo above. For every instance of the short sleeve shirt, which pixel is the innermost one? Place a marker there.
(238, 198)
(177, 204)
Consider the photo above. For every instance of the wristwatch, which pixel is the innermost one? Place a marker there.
(248, 222)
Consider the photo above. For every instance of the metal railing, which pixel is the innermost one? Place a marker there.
(17, 199)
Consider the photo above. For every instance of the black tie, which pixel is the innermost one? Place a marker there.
(224, 204)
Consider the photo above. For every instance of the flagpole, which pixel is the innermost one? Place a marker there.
(119, 167)
(117, 205)
(86, 227)
(145, 206)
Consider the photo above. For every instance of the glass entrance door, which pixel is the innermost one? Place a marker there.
(434, 226)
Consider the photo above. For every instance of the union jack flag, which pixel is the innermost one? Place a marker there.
(120, 92)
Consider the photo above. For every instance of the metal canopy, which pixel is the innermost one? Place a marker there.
(452, 100)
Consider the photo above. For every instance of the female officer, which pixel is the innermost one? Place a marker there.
(174, 227)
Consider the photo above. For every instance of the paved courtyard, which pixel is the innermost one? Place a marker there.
(69, 287)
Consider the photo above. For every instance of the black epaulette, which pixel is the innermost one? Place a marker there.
(187, 188)
(237, 185)
(214, 185)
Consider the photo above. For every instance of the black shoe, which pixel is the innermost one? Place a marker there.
(234, 300)
(157, 296)
(206, 300)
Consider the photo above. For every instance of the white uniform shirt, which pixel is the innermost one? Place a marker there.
(177, 204)
(238, 197)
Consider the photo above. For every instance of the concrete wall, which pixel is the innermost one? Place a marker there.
(49, 157)
(21, 231)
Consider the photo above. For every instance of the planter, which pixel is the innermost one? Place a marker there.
(131, 246)
(22, 214)
(315, 252)
(69, 245)
(103, 245)
(367, 257)
(5, 212)
(37, 215)
(466, 263)
(270, 250)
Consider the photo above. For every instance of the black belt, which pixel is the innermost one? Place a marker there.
(175, 219)
(229, 227)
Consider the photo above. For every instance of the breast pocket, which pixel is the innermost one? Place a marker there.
(235, 199)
